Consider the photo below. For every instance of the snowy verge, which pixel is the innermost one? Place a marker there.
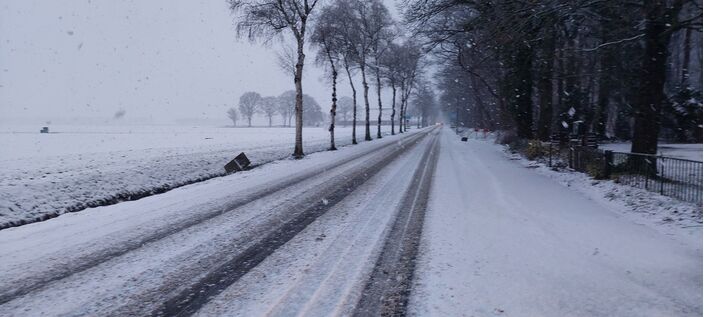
(665, 214)
(36, 186)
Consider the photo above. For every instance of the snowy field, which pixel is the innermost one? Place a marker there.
(684, 151)
(74, 167)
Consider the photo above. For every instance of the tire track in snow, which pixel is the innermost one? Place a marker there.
(69, 268)
(195, 296)
(387, 291)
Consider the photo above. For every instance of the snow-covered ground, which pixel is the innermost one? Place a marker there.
(105, 261)
(506, 238)
(78, 166)
(684, 151)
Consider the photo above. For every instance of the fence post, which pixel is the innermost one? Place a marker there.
(647, 170)
(662, 174)
(608, 162)
(571, 158)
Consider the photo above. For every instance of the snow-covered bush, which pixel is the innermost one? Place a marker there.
(535, 149)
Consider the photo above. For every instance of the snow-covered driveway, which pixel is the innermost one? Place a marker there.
(502, 240)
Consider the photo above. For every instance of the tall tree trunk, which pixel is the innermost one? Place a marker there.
(545, 87)
(684, 82)
(523, 84)
(486, 119)
(378, 94)
(572, 90)
(652, 81)
(393, 106)
(367, 132)
(333, 108)
(401, 113)
(249, 121)
(298, 80)
(354, 102)
(604, 96)
(557, 125)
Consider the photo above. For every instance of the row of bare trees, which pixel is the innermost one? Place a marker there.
(626, 69)
(252, 103)
(359, 37)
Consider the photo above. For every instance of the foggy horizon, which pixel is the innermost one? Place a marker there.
(89, 60)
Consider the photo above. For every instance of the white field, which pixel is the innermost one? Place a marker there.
(77, 166)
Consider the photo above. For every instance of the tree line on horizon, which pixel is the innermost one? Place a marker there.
(252, 103)
(352, 38)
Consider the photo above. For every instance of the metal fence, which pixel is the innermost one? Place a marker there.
(673, 177)
(678, 178)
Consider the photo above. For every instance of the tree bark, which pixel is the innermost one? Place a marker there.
(652, 81)
(545, 88)
(393, 106)
(298, 80)
(354, 102)
(378, 94)
(684, 81)
(523, 85)
(401, 109)
(333, 108)
(367, 132)
(604, 94)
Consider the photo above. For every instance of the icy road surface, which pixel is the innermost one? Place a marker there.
(502, 240)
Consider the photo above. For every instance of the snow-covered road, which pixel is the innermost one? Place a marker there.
(338, 233)
(500, 239)
(298, 236)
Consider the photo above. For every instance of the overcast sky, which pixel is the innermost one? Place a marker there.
(159, 60)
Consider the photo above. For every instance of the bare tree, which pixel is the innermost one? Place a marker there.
(329, 39)
(249, 105)
(232, 114)
(424, 103)
(287, 106)
(611, 68)
(370, 27)
(265, 19)
(312, 113)
(344, 108)
(410, 63)
(350, 25)
(381, 34)
(269, 107)
(391, 65)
